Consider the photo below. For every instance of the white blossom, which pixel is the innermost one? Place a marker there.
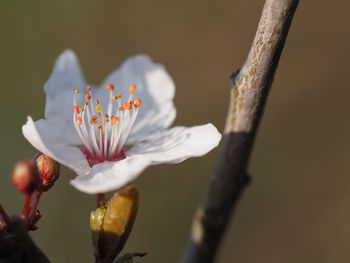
(109, 134)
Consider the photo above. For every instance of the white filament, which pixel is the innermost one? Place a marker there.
(103, 139)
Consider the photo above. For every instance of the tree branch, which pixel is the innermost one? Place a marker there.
(16, 246)
(250, 89)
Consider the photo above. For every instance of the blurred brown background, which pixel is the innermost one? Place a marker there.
(296, 210)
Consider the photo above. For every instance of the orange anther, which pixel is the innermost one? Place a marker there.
(110, 86)
(76, 109)
(137, 102)
(132, 89)
(93, 120)
(79, 120)
(114, 120)
(116, 97)
(127, 105)
(88, 88)
(88, 96)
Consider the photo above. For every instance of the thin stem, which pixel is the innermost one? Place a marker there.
(249, 93)
(26, 207)
(34, 208)
(100, 199)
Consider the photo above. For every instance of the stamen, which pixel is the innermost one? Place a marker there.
(79, 120)
(104, 128)
(85, 131)
(137, 102)
(114, 120)
(127, 106)
(117, 97)
(132, 89)
(98, 108)
(76, 109)
(110, 86)
(93, 120)
(90, 132)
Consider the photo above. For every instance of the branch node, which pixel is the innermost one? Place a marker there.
(251, 85)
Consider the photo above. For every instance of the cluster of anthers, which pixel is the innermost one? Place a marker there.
(104, 131)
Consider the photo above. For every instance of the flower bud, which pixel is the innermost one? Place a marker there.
(49, 171)
(25, 176)
(112, 223)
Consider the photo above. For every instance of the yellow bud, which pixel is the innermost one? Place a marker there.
(96, 218)
(111, 224)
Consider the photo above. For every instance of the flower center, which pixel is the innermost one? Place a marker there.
(103, 132)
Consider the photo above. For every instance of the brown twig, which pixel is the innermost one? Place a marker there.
(129, 257)
(251, 86)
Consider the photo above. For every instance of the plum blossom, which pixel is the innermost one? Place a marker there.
(109, 134)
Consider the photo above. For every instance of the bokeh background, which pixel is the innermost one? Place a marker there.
(298, 206)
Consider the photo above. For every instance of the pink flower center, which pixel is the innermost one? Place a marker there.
(103, 132)
(93, 159)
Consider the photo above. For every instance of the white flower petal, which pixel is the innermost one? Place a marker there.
(48, 140)
(110, 176)
(66, 76)
(178, 144)
(155, 88)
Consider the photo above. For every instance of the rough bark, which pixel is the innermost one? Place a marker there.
(251, 85)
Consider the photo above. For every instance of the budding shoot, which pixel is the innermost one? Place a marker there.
(49, 172)
(25, 176)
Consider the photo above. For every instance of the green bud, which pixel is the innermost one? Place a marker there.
(112, 223)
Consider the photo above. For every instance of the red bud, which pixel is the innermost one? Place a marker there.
(25, 176)
(49, 171)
